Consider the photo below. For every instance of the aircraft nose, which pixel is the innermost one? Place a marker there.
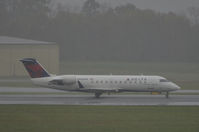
(176, 87)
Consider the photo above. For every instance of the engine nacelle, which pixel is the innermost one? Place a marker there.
(68, 80)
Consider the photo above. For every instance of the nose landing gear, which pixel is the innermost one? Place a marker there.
(167, 95)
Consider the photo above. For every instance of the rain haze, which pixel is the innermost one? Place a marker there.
(157, 5)
(101, 47)
(108, 30)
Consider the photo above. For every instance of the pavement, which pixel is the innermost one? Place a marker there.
(89, 99)
(48, 90)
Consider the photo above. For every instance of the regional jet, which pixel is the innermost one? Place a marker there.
(98, 84)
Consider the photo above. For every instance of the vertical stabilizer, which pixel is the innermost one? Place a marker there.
(34, 69)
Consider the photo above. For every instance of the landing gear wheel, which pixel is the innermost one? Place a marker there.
(167, 95)
(97, 95)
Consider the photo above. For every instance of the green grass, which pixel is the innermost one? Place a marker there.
(17, 84)
(37, 118)
(128, 67)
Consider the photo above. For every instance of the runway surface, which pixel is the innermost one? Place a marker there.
(48, 90)
(89, 99)
(185, 100)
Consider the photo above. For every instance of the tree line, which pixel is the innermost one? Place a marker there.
(97, 32)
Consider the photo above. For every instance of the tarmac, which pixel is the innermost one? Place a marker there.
(25, 96)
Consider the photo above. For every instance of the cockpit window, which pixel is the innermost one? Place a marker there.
(164, 80)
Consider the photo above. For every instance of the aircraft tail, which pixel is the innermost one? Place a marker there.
(34, 69)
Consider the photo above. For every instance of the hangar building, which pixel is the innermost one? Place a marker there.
(13, 49)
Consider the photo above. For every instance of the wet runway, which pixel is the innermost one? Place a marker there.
(45, 96)
(49, 90)
(185, 100)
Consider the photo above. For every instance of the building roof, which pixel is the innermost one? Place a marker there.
(13, 40)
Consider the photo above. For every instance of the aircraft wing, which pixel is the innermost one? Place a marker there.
(102, 89)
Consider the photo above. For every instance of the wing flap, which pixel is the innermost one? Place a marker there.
(103, 89)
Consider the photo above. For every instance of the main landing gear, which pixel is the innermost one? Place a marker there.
(167, 95)
(97, 95)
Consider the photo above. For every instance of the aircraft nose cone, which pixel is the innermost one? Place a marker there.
(176, 87)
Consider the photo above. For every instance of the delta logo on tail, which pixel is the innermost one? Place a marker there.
(34, 69)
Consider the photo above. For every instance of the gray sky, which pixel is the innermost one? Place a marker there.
(157, 5)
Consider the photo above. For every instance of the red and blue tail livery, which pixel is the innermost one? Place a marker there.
(34, 69)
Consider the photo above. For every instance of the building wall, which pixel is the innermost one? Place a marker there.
(47, 55)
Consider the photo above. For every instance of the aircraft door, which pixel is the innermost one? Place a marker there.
(152, 84)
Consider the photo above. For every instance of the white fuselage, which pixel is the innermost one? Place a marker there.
(107, 83)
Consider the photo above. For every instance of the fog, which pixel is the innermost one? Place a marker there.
(128, 31)
(157, 5)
